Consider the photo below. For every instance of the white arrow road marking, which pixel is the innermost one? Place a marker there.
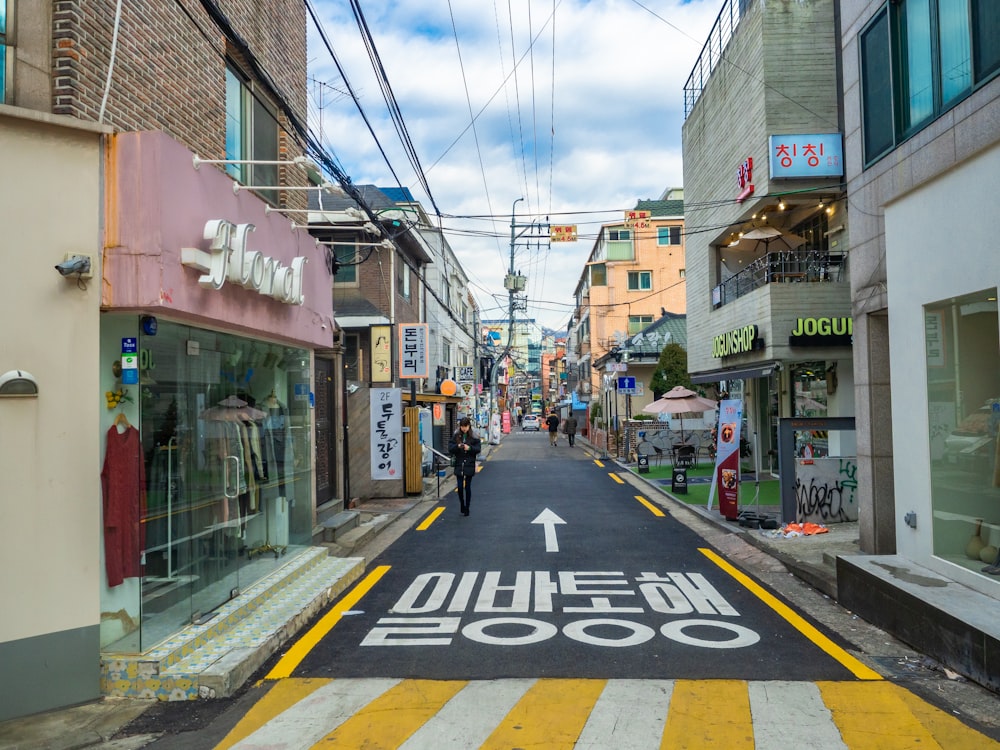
(549, 519)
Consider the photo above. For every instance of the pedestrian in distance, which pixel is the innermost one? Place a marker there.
(569, 427)
(464, 446)
(552, 421)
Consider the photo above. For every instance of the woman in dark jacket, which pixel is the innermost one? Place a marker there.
(465, 446)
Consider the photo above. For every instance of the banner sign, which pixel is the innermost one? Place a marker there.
(413, 361)
(386, 414)
(727, 458)
(381, 338)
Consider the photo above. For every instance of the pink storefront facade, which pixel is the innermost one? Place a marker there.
(213, 310)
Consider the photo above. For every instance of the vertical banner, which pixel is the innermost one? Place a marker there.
(727, 458)
(386, 406)
(381, 343)
(413, 361)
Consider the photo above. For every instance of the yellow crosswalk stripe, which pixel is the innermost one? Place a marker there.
(277, 700)
(709, 714)
(387, 721)
(551, 715)
(889, 717)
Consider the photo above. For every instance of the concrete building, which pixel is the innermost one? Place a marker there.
(768, 290)
(634, 272)
(189, 316)
(922, 151)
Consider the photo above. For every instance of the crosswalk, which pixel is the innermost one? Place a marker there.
(596, 715)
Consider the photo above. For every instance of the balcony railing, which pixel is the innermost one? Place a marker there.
(718, 38)
(780, 267)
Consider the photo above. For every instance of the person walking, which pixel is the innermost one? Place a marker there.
(552, 421)
(569, 427)
(464, 446)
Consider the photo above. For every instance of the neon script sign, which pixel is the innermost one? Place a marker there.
(228, 259)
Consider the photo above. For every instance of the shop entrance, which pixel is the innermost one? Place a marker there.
(226, 438)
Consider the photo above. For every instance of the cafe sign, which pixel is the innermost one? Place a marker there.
(737, 341)
(822, 332)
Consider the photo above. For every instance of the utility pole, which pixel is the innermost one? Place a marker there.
(514, 283)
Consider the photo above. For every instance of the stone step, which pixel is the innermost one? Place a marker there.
(238, 637)
(351, 540)
(339, 524)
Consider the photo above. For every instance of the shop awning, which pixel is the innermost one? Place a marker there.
(735, 373)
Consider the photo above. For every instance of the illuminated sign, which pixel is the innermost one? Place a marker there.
(737, 341)
(822, 332)
(813, 155)
(381, 338)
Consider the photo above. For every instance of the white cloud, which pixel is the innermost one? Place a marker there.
(607, 130)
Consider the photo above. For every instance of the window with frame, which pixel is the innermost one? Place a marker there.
(640, 281)
(403, 279)
(251, 134)
(347, 258)
(668, 236)
(598, 274)
(918, 59)
(637, 322)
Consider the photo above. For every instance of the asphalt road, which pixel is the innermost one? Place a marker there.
(569, 610)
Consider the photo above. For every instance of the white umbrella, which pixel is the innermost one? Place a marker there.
(680, 400)
(768, 239)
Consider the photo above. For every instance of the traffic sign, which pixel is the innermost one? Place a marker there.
(626, 384)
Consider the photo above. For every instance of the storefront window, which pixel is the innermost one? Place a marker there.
(810, 400)
(225, 431)
(963, 403)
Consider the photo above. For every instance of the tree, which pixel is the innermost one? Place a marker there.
(671, 370)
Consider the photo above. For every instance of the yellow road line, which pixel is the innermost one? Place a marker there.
(616, 478)
(598, 463)
(391, 718)
(853, 665)
(709, 713)
(287, 664)
(873, 716)
(652, 508)
(426, 523)
(282, 696)
(551, 715)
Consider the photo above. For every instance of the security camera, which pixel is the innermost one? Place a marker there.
(75, 264)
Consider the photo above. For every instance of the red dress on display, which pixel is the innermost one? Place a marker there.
(123, 485)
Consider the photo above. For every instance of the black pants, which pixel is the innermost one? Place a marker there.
(464, 485)
(571, 436)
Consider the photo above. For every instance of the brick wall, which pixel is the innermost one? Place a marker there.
(169, 71)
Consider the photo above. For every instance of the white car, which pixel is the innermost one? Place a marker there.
(531, 422)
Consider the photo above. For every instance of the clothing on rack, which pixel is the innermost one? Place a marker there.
(123, 489)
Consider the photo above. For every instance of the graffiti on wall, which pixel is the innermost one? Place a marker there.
(826, 490)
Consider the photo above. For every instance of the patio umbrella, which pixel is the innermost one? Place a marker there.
(680, 400)
(767, 239)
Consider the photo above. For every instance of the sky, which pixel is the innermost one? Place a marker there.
(574, 106)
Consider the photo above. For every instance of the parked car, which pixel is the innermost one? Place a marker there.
(531, 422)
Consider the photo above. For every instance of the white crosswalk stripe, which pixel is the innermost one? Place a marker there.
(470, 716)
(590, 714)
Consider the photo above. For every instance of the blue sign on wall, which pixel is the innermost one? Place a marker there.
(809, 155)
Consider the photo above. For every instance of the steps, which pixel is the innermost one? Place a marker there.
(216, 657)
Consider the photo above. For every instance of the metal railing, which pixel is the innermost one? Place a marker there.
(718, 38)
(780, 267)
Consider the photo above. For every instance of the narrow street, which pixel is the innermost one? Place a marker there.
(572, 609)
